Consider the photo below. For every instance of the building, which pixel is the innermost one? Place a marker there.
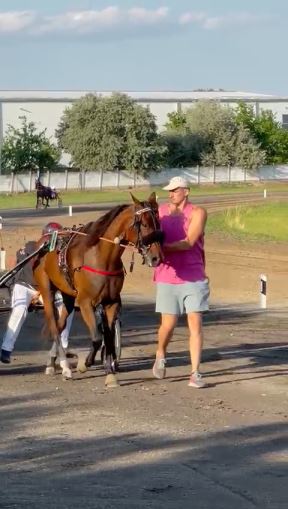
(45, 108)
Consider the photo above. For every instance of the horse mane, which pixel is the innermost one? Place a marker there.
(96, 229)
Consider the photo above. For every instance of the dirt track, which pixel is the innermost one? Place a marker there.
(151, 444)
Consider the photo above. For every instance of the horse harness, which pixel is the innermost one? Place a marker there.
(61, 240)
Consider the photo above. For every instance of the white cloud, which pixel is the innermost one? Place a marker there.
(81, 21)
(101, 20)
(141, 15)
(15, 21)
(116, 21)
(191, 17)
(216, 22)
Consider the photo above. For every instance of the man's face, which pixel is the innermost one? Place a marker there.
(178, 195)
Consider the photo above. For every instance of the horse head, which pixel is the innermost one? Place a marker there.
(144, 230)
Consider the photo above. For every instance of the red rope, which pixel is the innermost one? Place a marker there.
(103, 272)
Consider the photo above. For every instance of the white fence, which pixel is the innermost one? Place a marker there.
(99, 180)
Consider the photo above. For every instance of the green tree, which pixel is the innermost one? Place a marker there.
(267, 132)
(210, 135)
(176, 121)
(183, 150)
(26, 149)
(111, 133)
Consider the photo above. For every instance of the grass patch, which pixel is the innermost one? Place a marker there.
(266, 222)
(74, 197)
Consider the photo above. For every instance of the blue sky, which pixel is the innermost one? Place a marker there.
(144, 45)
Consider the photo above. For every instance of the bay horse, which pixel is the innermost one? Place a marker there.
(45, 194)
(95, 275)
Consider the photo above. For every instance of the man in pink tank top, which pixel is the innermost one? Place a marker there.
(182, 285)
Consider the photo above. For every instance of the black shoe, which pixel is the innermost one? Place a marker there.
(5, 356)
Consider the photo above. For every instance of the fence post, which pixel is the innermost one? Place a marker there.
(118, 178)
(2, 259)
(214, 174)
(101, 179)
(12, 181)
(229, 174)
(198, 174)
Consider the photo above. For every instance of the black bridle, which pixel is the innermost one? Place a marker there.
(143, 242)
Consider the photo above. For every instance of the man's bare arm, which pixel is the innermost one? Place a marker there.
(195, 230)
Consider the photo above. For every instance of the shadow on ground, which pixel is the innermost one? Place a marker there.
(240, 468)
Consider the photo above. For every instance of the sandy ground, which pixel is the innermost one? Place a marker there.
(152, 444)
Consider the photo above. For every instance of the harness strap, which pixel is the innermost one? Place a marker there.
(119, 272)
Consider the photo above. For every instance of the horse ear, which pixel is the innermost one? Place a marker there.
(136, 201)
(152, 198)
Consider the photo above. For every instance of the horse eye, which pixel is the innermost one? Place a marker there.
(145, 225)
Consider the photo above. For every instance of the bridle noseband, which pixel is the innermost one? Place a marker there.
(142, 244)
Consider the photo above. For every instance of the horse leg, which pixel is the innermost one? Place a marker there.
(39, 201)
(51, 363)
(64, 364)
(65, 311)
(88, 316)
(49, 310)
(111, 311)
(65, 307)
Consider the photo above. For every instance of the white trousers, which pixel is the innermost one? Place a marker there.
(22, 297)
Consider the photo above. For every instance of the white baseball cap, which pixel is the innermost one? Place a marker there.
(177, 182)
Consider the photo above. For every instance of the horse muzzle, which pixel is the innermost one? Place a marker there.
(152, 255)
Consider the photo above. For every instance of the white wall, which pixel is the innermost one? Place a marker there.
(101, 180)
(45, 115)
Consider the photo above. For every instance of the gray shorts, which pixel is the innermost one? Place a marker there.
(183, 298)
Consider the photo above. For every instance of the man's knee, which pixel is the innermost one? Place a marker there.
(169, 322)
(194, 322)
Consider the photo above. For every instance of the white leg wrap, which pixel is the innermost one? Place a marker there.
(66, 371)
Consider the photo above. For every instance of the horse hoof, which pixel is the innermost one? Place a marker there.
(111, 381)
(81, 365)
(50, 371)
(67, 374)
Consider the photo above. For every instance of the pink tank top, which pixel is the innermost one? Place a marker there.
(180, 266)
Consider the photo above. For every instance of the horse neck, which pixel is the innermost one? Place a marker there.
(112, 251)
(120, 224)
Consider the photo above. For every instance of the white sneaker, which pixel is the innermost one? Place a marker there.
(159, 368)
(196, 381)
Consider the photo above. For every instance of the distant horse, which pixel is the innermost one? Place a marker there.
(45, 193)
(95, 275)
